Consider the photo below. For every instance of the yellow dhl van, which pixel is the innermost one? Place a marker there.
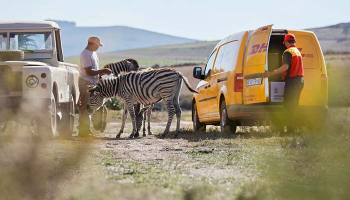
(231, 94)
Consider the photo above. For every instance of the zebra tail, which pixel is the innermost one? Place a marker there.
(187, 83)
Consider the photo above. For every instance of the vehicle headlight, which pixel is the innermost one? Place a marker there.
(32, 81)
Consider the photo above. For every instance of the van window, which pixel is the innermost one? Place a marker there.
(229, 60)
(308, 51)
(3, 41)
(217, 65)
(209, 64)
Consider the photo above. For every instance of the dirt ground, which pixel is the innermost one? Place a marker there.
(148, 167)
(210, 165)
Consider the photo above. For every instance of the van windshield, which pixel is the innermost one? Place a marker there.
(31, 41)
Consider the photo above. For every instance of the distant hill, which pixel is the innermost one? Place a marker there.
(191, 53)
(334, 38)
(114, 38)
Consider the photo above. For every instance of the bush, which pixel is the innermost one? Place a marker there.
(114, 104)
(186, 102)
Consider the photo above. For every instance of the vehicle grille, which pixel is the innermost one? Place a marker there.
(9, 81)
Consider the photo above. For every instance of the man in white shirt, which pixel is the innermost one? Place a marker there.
(88, 75)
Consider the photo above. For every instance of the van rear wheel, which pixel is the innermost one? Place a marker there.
(197, 125)
(225, 123)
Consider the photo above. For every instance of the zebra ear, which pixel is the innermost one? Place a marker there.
(92, 90)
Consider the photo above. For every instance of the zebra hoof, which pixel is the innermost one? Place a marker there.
(150, 133)
(136, 134)
(144, 134)
(162, 136)
(175, 136)
(118, 136)
(131, 136)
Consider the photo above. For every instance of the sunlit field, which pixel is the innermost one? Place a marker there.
(255, 163)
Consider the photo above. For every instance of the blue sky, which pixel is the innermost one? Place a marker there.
(197, 19)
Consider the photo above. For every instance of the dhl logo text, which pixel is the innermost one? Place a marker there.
(258, 48)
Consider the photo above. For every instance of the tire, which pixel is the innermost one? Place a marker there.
(225, 121)
(47, 124)
(66, 124)
(11, 55)
(197, 125)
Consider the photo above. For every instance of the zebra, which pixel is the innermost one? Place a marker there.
(145, 87)
(98, 118)
(122, 67)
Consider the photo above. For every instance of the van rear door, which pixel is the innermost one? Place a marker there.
(256, 88)
(315, 89)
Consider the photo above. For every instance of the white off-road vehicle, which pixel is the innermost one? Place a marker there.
(36, 85)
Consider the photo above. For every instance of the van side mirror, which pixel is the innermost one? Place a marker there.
(197, 73)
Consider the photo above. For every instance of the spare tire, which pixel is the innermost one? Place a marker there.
(11, 55)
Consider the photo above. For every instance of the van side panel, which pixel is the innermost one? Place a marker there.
(233, 97)
(315, 92)
(225, 64)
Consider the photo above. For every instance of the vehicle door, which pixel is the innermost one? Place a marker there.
(314, 92)
(256, 88)
(213, 87)
(202, 96)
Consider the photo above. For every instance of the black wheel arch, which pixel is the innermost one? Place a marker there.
(222, 98)
(55, 92)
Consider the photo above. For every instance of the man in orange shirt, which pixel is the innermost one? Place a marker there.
(293, 72)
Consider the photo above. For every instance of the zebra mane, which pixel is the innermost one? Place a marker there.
(134, 62)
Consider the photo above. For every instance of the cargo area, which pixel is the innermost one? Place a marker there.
(275, 52)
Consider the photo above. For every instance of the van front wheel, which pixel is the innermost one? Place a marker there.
(225, 123)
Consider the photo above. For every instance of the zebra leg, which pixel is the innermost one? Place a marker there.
(144, 124)
(149, 112)
(125, 116)
(178, 117)
(171, 111)
(138, 115)
(131, 110)
(177, 108)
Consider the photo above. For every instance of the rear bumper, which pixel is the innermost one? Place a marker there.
(251, 114)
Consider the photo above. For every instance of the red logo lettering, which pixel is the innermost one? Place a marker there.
(258, 48)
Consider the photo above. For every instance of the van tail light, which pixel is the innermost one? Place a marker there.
(324, 77)
(238, 82)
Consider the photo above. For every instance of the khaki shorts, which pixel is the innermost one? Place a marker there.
(83, 88)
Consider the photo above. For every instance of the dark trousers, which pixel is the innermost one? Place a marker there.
(292, 91)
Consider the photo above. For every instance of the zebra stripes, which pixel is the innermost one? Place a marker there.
(145, 87)
(120, 67)
(123, 66)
